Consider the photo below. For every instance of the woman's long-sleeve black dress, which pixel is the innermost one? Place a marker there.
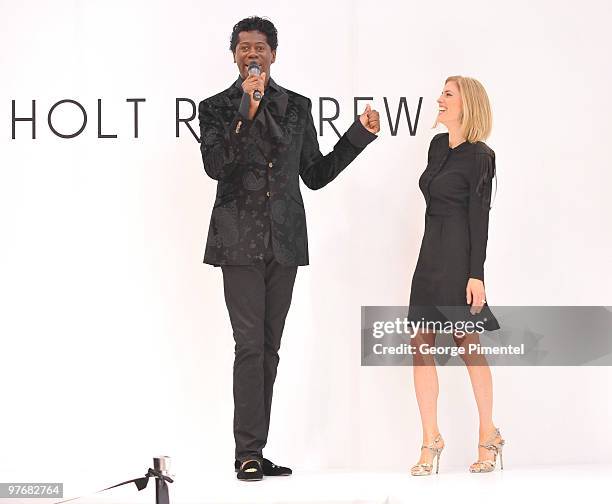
(457, 188)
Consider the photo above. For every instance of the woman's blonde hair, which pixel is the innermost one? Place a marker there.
(476, 118)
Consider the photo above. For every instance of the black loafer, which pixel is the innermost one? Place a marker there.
(270, 469)
(250, 470)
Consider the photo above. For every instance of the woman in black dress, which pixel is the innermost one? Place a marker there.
(449, 277)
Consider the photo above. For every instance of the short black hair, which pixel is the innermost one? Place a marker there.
(255, 23)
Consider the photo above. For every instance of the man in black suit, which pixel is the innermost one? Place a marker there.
(257, 150)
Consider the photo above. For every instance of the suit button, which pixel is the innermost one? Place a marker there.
(270, 164)
(268, 194)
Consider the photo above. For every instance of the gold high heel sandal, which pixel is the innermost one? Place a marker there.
(425, 468)
(482, 466)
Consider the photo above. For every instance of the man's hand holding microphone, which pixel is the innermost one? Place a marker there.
(254, 86)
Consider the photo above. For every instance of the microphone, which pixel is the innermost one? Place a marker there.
(255, 69)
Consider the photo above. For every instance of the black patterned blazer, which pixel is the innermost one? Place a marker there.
(257, 165)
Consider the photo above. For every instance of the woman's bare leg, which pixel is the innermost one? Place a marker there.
(482, 385)
(426, 388)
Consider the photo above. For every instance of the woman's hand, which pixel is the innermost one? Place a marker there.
(475, 295)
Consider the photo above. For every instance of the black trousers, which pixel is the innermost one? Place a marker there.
(258, 299)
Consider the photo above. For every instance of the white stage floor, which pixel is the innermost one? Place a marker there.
(456, 485)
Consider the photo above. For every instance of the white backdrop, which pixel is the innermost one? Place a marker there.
(116, 344)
